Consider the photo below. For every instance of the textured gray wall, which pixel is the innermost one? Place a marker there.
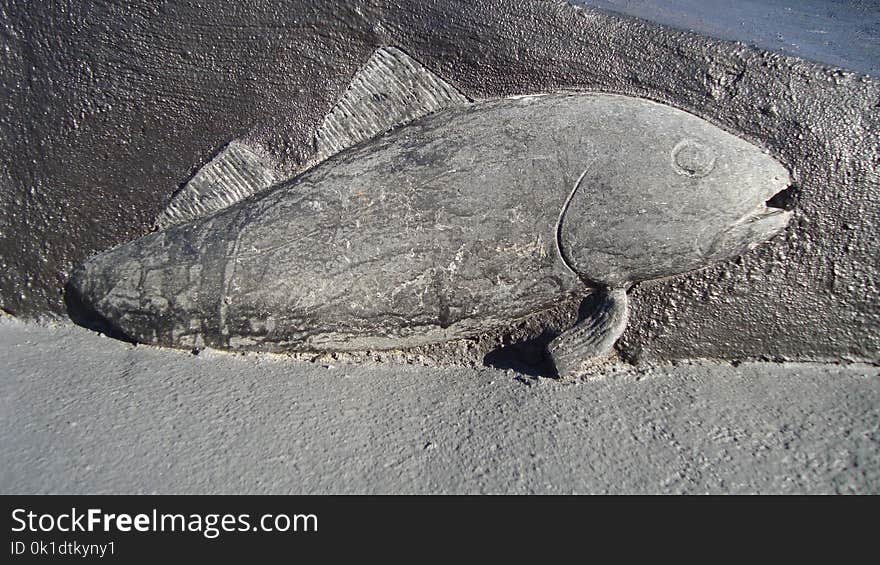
(109, 107)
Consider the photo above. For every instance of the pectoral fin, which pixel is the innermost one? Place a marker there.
(593, 337)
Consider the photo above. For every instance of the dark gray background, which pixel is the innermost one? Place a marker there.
(109, 107)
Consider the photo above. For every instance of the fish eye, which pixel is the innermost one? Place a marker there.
(692, 158)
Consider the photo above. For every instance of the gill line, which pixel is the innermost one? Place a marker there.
(562, 215)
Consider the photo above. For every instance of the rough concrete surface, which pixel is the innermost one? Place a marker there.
(109, 107)
(85, 414)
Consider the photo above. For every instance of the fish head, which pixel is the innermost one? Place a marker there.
(672, 193)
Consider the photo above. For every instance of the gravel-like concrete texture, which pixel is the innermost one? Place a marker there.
(80, 413)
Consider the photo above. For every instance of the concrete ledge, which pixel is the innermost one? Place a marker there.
(85, 414)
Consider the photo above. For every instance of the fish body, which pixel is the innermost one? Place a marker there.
(462, 221)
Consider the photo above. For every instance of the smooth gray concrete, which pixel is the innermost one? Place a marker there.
(81, 413)
(843, 33)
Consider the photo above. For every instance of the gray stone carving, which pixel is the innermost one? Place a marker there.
(234, 174)
(472, 216)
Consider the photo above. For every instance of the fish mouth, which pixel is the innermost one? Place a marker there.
(770, 217)
(766, 222)
(786, 199)
(761, 224)
(779, 206)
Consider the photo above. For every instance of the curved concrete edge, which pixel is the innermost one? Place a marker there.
(844, 34)
(81, 413)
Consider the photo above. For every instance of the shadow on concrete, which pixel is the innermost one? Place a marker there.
(527, 357)
(530, 356)
(83, 315)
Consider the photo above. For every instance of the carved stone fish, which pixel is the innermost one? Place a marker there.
(464, 217)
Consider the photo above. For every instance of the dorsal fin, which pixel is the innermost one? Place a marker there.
(234, 174)
(390, 90)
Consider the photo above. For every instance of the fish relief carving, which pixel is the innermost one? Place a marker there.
(427, 217)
